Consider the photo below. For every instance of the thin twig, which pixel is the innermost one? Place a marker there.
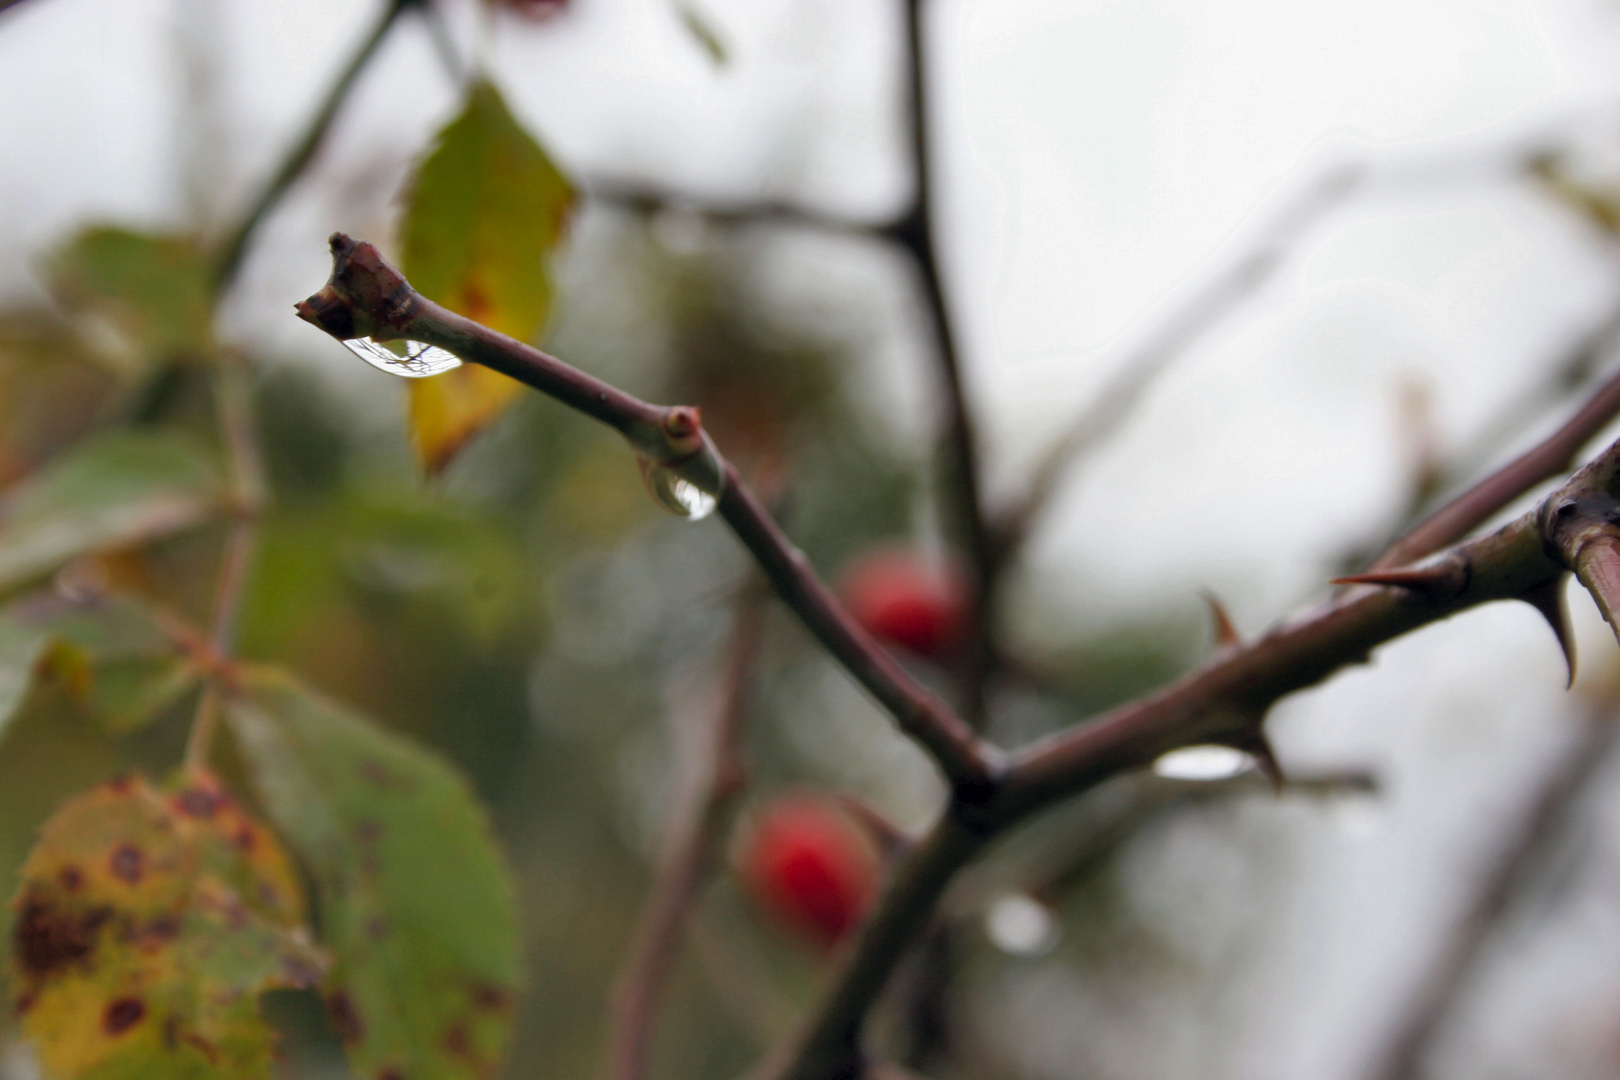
(1561, 380)
(1513, 870)
(1181, 329)
(914, 231)
(648, 199)
(693, 845)
(366, 296)
(1544, 461)
(240, 437)
(234, 249)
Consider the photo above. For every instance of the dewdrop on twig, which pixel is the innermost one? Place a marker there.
(407, 359)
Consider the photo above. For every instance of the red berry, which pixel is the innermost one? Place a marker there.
(899, 598)
(810, 867)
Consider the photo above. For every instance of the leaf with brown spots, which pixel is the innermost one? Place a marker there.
(487, 207)
(416, 904)
(148, 923)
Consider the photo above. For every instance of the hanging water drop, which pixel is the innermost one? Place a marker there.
(1020, 925)
(407, 359)
(1203, 763)
(675, 493)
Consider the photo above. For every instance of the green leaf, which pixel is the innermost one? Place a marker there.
(486, 209)
(152, 288)
(21, 648)
(416, 905)
(119, 489)
(110, 654)
(147, 926)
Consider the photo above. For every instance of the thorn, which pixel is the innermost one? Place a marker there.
(1257, 746)
(1438, 580)
(1225, 632)
(1549, 600)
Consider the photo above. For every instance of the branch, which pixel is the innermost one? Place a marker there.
(1179, 331)
(234, 249)
(240, 437)
(647, 199)
(367, 297)
(692, 849)
(1512, 870)
(1547, 459)
(914, 231)
(1225, 701)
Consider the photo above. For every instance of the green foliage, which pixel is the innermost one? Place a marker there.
(415, 902)
(21, 647)
(151, 288)
(486, 208)
(117, 489)
(147, 925)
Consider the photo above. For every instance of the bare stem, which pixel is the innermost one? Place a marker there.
(914, 231)
(1182, 328)
(1547, 459)
(692, 849)
(644, 198)
(247, 482)
(366, 296)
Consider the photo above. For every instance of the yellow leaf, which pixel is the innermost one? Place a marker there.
(486, 209)
(148, 923)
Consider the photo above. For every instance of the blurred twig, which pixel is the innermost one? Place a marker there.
(240, 438)
(1512, 870)
(234, 248)
(1176, 332)
(914, 231)
(648, 199)
(1569, 374)
(1544, 461)
(692, 848)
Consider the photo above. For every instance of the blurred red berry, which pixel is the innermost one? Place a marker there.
(899, 598)
(810, 867)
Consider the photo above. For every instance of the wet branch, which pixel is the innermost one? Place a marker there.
(367, 297)
(1577, 528)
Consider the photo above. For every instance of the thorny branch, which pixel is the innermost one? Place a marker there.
(692, 849)
(1225, 701)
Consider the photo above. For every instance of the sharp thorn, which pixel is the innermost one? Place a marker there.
(1446, 578)
(1549, 600)
(1257, 746)
(1225, 632)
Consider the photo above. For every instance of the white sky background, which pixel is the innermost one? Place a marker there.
(1098, 160)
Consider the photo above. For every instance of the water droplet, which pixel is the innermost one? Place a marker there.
(674, 493)
(1203, 763)
(1020, 925)
(408, 359)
